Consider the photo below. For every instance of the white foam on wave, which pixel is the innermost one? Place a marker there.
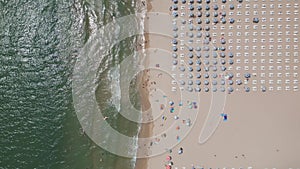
(114, 76)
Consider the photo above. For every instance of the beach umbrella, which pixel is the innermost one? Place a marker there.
(174, 48)
(191, 48)
(191, 15)
(190, 75)
(174, 55)
(216, 14)
(168, 167)
(198, 48)
(206, 41)
(231, 20)
(214, 82)
(216, 7)
(168, 158)
(198, 75)
(206, 48)
(222, 82)
(206, 62)
(208, 1)
(222, 89)
(247, 89)
(199, 35)
(199, 21)
(190, 55)
(214, 89)
(206, 69)
(175, 7)
(223, 20)
(183, 21)
(240, 1)
(206, 75)
(197, 89)
(230, 54)
(223, 62)
(192, 1)
(175, 62)
(190, 82)
(199, 1)
(207, 34)
(215, 20)
(239, 82)
(263, 89)
(183, 1)
(224, 1)
(172, 110)
(198, 62)
(215, 48)
(214, 68)
(223, 68)
(175, 14)
(175, 1)
(230, 82)
(182, 68)
(199, 28)
(207, 14)
(191, 27)
(190, 62)
(175, 35)
(198, 54)
(222, 48)
(222, 54)
(206, 55)
(230, 75)
(255, 20)
(198, 82)
(207, 7)
(214, 54)
(207, 21)
(198, 68)
(231, 6)
(207, 28)
(174, 41)
(214, 61)
(206, 89)
(223, 41)
(191, 34)
(191, 7)
(214, 75)
(199, 7)
(175, 28)
(230, 89)
(230, 61)
(190, 69)
(247, 75)
(223, 13)
(182, 82)
(171, 103)
(190, 89)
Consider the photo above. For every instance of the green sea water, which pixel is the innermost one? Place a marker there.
(39, 44)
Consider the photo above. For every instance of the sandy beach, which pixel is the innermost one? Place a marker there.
(254, 122)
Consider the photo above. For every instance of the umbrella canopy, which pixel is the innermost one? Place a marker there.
(182, 68)
(174, 55)
(191, 48)
(199, 35)
(222, 82)
(230, 89)
(192, 1)
(207, 14)
(191, 34)
(223, 1)
(198, 62)
(191, 7)
(230, 82)
(175, 62)
(208, 1)
(175, 1)
(216, 14)
(223, 13)
(198, 75)
(190, 82)
(206, 82)
(171, 103)
(223, 62)
(214, 68)
(231, 6)
(199, 7)
(175, 35)
(206, 89)
(207, 28)
(207, 7)
(215, 62)
(222, 89)
(214, 82)
(199, 21)
(174, 41)
(168, 158)
(223, 20)
(174, 48)
(198, 68)
(222, 54)
(198, 48)
(216, 7)
(206, 75)
(198, 82)
(214, 89)
(198, 54)
(222, 48)
(230, 54)
(190, 55)
(230, 61)
(190, 75)
(199, 1)
(255, 20)
(190, 62)
(247, 89)
(223, 41)
(263, 89)
(207, 21)
(239, 82)
(197, 89)
(190, 69)
(223, 68)
(214, 75)
(247, 75)
(206, 62)
(182, 82)
(183, 1)
(231, 20)
(206, 55)
(191, 27)
(175, 7)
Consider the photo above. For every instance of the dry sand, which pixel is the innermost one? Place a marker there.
(262, 128)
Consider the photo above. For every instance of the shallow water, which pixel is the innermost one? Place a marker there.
(39, 44)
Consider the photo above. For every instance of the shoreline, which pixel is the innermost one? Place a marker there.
(146, 129)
